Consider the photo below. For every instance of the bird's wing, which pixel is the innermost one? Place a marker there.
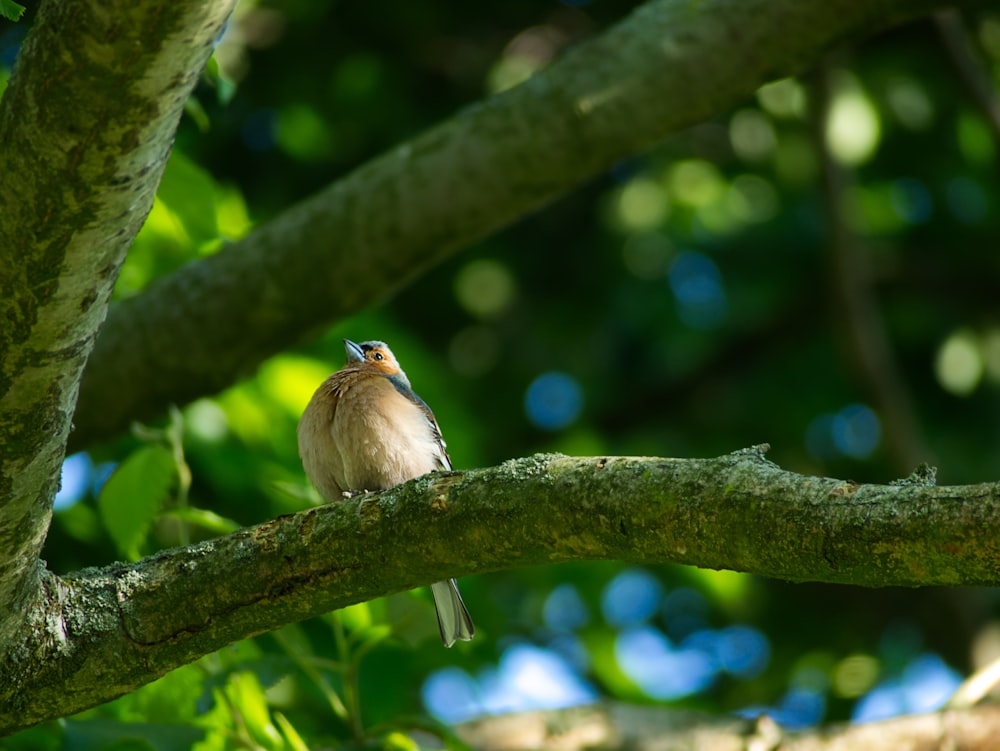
(402, 386)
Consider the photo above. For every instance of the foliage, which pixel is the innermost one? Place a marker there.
(10, 10)
(682, 305)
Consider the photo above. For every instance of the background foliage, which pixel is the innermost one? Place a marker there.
(688, 303)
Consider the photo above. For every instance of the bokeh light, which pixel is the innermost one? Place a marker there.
(855, 432)
(553, 401)
(925, 684)
(975, 140)
(752, 135)
(662, 672)
(528, 52)
(303, 134)
(785, 98)
(77, 471)
(800, 708)
(695, 182)
(752, 199)
(959, 364)
(909, 102)
(451, 695)
(853, 130)
(526, 677)
(206, 420)
(855, 675)
(485, 287)
(741, 651)
(642, 205)
(911, 200)
(698, 291)
(564, 609)
(631, 598)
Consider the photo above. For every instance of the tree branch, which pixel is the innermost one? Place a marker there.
(101, 633)
(976, 77)
(668, 65)
(86, 126)
(623, 727)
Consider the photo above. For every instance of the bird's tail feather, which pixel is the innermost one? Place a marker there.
(453, 618)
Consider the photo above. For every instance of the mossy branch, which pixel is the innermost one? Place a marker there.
(103, 632)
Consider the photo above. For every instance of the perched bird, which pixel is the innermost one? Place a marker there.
(365, 429)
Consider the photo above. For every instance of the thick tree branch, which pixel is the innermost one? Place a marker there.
(623, 727)
(86, 126)
(670, 64)
(737, 512)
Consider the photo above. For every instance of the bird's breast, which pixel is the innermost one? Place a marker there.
(383, 438)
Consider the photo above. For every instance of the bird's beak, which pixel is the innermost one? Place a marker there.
(354, 351)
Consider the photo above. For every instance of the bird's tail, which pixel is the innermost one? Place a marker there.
(453, 619)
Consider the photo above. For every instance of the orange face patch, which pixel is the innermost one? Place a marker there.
(382, 359)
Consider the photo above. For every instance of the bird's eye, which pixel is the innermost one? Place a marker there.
(378, 356)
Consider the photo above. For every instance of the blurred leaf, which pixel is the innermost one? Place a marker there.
(303, 134)
(246, 695)
(132, 496)
(170, 699)
(80, 522)
(10, 10)
(189, 192)
(292, 738)
(99, 734)
(397, 741)
(225, 87)
(356, 617)
(194, 110)
(208, 520)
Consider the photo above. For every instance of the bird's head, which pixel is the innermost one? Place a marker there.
(373, 356)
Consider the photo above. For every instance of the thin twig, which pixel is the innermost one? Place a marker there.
(856, 309)
(968, 65)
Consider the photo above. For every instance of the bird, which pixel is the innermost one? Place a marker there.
(364, 430)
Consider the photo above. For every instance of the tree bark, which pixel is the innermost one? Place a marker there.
(670, 64)
(103, 632)
(86, 126)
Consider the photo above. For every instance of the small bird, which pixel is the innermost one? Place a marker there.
(365, 429)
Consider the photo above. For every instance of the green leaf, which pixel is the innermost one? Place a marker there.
(247, 697)
(80, 522)
(189, 191)
(132, 496)
(293, 740)
(205, 519)
(10, 10)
